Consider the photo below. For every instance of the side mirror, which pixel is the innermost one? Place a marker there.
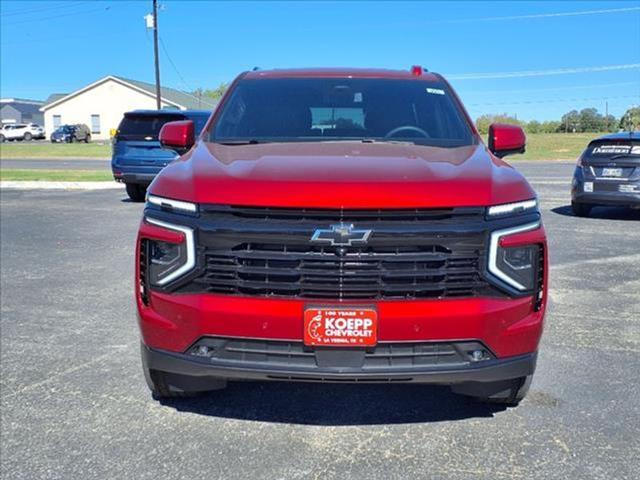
(506, 139)
(179, 136)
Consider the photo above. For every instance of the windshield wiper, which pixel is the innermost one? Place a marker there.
(251, 141)
(365, 140)
(397, 142)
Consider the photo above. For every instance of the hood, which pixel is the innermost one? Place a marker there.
(341, 175)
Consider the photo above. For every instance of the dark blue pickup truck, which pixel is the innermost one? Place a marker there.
(137, 155)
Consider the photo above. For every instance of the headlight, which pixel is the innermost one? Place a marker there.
(170, 204)
(513, 208)
(168, 261)
(164, 259)
(516, 266)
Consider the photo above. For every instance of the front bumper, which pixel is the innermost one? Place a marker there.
(174, 322)
(194, 370)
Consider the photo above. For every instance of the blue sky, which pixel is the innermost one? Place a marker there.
(54, 46)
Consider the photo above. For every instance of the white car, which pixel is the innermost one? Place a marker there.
(21, 131)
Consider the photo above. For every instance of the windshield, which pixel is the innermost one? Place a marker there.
(326, 109)
(63, 130)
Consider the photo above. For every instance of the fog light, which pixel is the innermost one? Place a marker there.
(478, 355)
(202, 351)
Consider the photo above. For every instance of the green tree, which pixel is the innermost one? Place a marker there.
(533, 126)
(550, 126)
(590, 120)
(484, 121)
(214, 94)
(610, 123)
(630, 120)
(570, 122)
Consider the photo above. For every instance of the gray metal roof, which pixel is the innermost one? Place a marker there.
(183, 99)
(22, 107)
(53, 97)
(170, 95)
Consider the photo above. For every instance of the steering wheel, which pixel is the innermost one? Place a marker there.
(412, 128)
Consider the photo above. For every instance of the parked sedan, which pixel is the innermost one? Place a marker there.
(608, 173)
(71, 134)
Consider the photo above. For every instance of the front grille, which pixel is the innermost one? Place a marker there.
(348, 215)
(423, 271)
(410, 254)
(384, 356)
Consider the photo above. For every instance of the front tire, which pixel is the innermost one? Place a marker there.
(136, 192)
(87, 139)
(581, 209)
(28, 137)
(2, 138)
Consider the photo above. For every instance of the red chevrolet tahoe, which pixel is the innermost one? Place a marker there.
(341, 226)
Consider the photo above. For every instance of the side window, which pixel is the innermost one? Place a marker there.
(95, 123)
(57, 121)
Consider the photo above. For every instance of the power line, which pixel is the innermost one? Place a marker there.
(42, 9)
(164, 49)
(565, 100)
(541, 73)
(552, 89)
(101, 9)
(540, 15)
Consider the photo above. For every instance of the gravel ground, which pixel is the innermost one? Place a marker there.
(74, 403)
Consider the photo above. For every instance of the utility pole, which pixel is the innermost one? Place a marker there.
(155, 51)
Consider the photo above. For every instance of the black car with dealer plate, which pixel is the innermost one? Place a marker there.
(607, 173)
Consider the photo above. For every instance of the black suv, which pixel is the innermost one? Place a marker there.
(608, 173)
(71, 134)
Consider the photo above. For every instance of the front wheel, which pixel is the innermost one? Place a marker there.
(87, 139)
(2, 138)
(581, 209)
(136, 192)
(28, 137)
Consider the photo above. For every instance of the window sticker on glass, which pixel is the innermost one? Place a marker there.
(611, 149)
(357, 97)
(435, 91)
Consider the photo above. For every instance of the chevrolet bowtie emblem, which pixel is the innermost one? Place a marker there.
(342, 235)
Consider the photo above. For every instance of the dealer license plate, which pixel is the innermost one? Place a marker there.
(611, 172)
(340, 327)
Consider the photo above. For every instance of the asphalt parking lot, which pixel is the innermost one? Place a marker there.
(74, 403)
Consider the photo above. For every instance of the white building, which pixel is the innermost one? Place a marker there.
(102, 104)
